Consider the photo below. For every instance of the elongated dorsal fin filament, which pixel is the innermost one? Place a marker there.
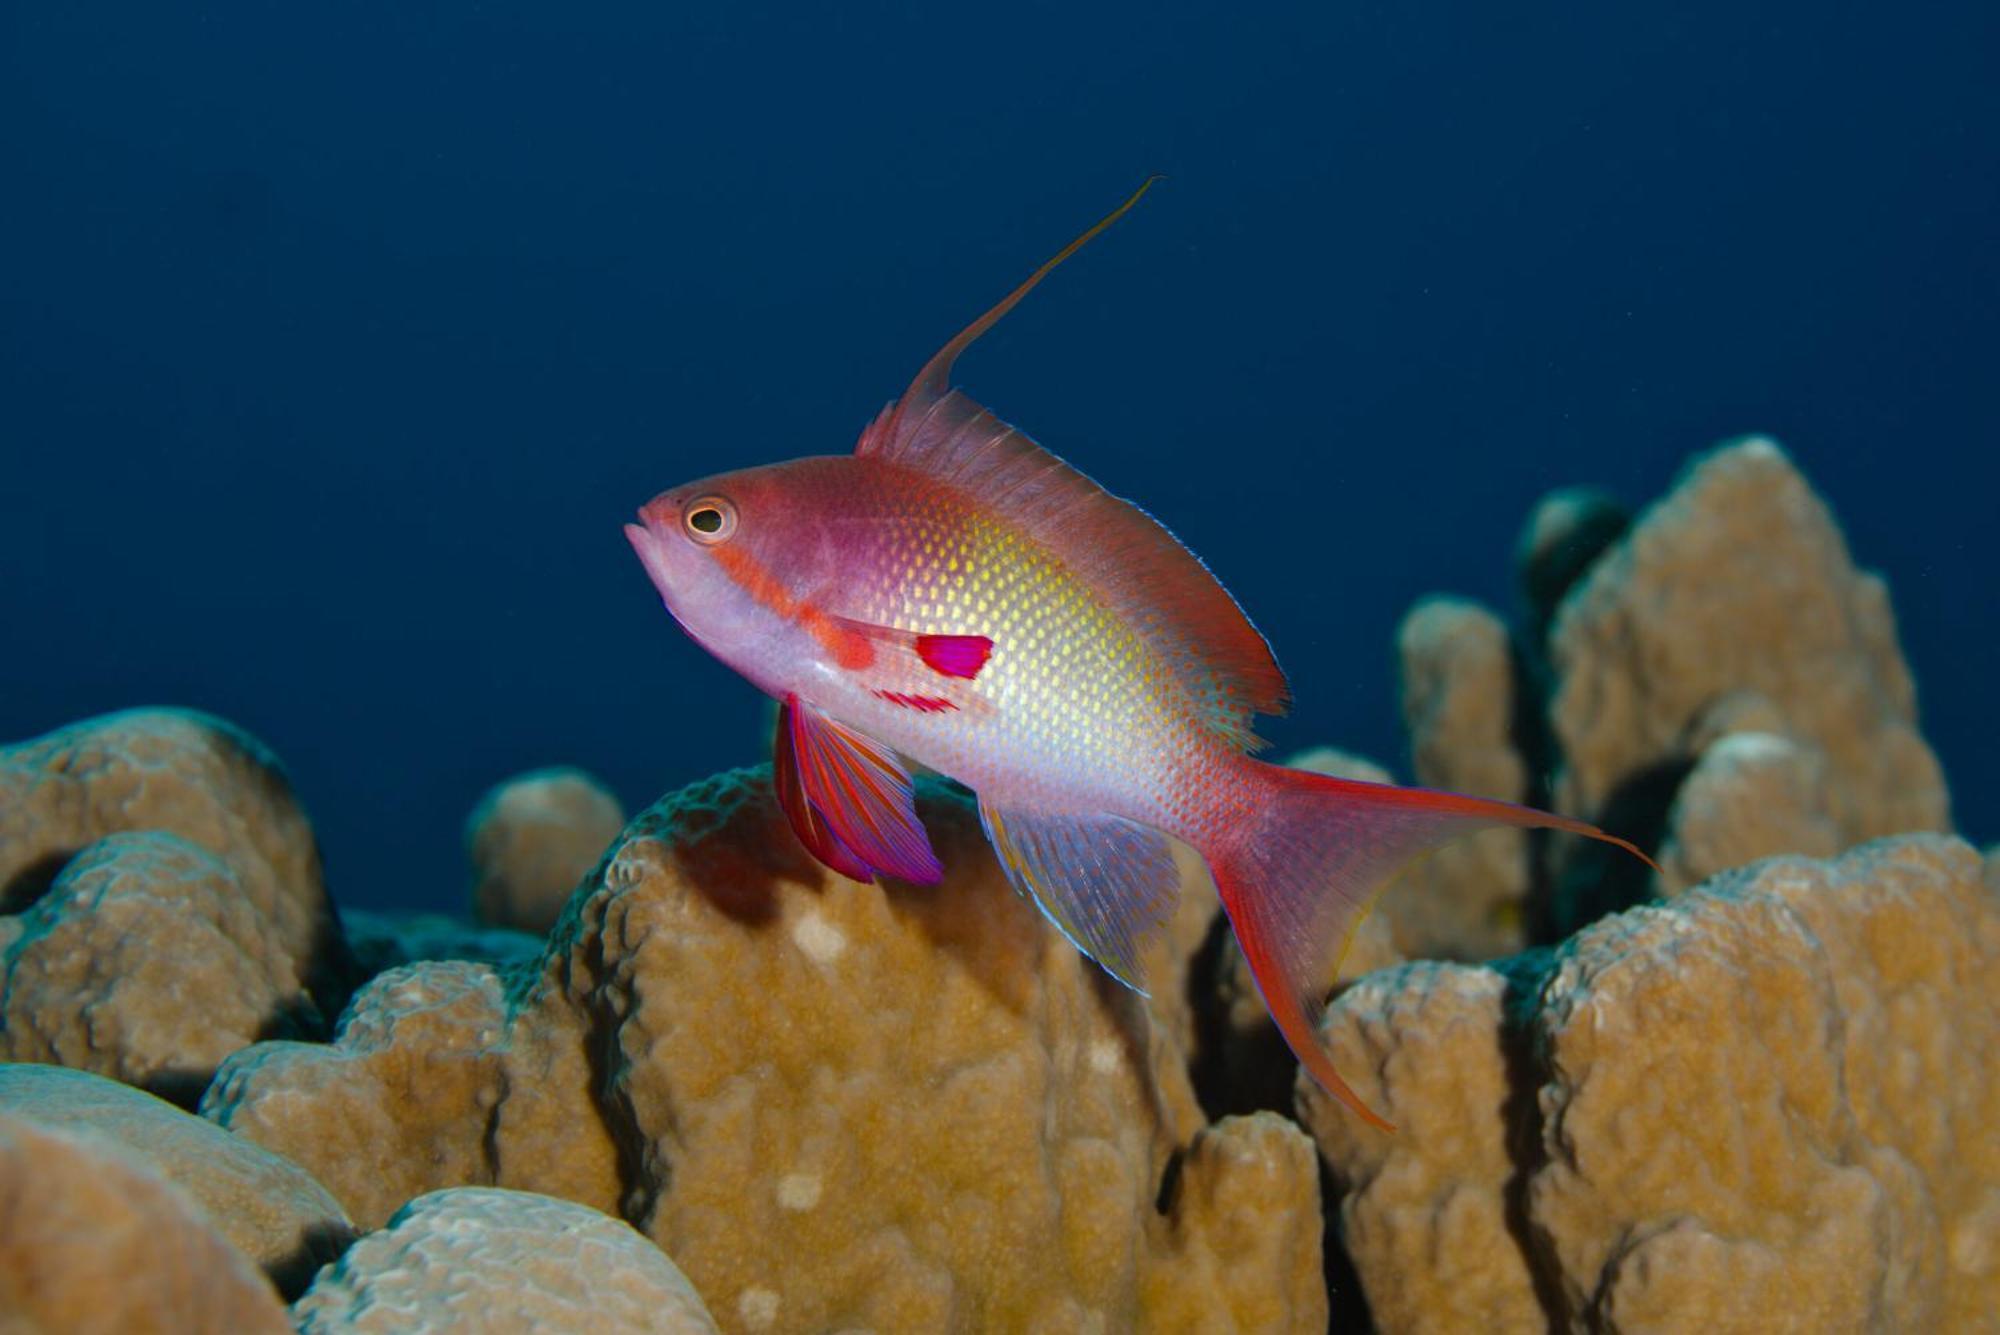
(934, 380)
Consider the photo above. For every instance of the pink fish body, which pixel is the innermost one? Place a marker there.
(954, 593)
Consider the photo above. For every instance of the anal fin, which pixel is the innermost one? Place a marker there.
(1107, 883)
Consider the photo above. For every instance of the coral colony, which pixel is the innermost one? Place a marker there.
(677, 1074)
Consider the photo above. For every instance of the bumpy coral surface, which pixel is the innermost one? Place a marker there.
(91, 1240)
(266, 1205)
(832, 1104)
(476, 1260)
(1767, 1105)
(1739, 581)
(173, 964)
(175, 770)
(531, 840)
(243, 938)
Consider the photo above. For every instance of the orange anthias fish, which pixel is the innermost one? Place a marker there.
(954, 593)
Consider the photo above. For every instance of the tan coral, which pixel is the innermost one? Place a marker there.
(185, 773)
(1751, 795)
(1427, 1213)
(146, 962)
(427, 1087)
(1466, 901)
(1240, 1272)
(1767, 1105)
(268, 1206)
(480, 1261)
(1666, 623)
(531, 839)
(834, 1105)
(91, 1240)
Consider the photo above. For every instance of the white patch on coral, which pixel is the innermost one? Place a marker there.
(818, 938)
(758, 1308)
(798, 1191)
(1105, 1058)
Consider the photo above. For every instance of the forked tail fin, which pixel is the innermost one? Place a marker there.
(1298, 877)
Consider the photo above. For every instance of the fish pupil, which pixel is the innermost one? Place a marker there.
(708, 519)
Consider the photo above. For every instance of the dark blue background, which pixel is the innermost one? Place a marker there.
(336, 343)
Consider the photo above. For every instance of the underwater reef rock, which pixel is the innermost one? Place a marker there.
(1464, 901)
(478, 1260)
(531, 839)
(267, 1206)
(147, 962)
(1738, 582)
(1767, 1104)
(832, 1104)
(92, 1240)
(187, 774)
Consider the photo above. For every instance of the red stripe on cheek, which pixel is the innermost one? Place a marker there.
(850, 650)
(749, 575)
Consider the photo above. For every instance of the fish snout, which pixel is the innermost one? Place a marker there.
(649, 544)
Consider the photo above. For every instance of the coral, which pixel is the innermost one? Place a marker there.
(1224, 1265)
(1465, 901)
(427, 1088)
(187, 774)
(269, 1207)
(1425, 1214)
(1765, 1104)
(91, 1240)
(1751, 795)
(1647, 656)
(832, 1104)
(1667, 623)
(531, 839)
(476, 1259)
(146, 962)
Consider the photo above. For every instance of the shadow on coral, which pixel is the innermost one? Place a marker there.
(1233, 1073)
(1596, 879)
(1346, 1300)
(322, 1245)
(1521, 1115)
(26, 886)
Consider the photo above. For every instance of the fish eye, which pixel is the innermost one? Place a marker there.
(709, 519)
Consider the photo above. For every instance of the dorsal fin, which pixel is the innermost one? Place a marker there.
(1140, 568)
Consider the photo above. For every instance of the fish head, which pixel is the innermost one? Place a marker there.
(734, 558)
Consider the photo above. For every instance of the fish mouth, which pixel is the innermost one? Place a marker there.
(650, 546)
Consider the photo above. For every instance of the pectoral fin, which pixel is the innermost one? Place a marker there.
(849, 799)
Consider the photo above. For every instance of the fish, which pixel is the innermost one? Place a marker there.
(952, 594)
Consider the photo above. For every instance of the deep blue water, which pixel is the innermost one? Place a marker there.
(336, 343)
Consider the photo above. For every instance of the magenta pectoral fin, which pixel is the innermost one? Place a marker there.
(849, 799)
